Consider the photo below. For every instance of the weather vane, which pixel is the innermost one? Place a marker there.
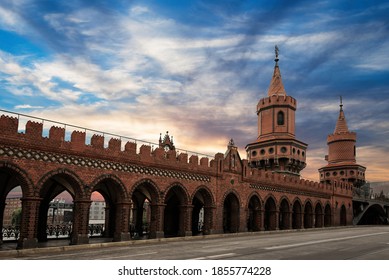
(277, 50)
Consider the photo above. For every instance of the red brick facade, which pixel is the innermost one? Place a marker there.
(234, 195)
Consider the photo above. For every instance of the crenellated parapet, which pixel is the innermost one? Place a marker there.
(276, 100)
(99, 146)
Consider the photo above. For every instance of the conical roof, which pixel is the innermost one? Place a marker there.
(276, 86)
(341, 124)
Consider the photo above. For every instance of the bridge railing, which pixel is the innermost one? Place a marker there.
(12, 233)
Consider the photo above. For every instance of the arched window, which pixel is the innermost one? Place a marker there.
(280, 118)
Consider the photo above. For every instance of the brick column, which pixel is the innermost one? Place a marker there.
(80, 222)
(29, 223)
(2, 207)
(156, 223)
(209, 213)
(122, 221)
(185, 220)
(262, 218)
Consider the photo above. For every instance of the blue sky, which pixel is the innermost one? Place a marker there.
(198, 68)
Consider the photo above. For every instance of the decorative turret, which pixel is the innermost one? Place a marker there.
(276, 148)
(341, 156)
(167, 142)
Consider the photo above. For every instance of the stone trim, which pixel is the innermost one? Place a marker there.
(97, 163)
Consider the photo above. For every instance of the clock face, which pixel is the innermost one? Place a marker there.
(167, 148)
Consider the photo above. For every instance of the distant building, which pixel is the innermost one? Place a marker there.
(97, 212)
(59, 212)
(12, 205)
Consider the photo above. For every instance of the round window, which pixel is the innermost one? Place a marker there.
(254, 153)
(283, 149)
(263, 152)
(271, 150)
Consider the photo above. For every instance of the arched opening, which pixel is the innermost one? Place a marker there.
(57, 212)
(296, 215)
(231, 214)
(343, 216)
(270, 219)
(254, 215)
(97, 217)
(11, 209)
(202, 212)
(144, 213)
(284, 216)
(107, 198)
(280, 118)
(374, 215)
(308, 215)
(327, 216)
(318, 216)
(175, 212)
(59, 217)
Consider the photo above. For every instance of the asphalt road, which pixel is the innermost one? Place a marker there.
(356, 243)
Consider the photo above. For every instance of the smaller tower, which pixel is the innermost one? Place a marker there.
(167, 142)
(341, 158)
(277, 148)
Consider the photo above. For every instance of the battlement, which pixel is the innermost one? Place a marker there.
(276, 100)
(297, 184)
(345, 136)
(109, 148)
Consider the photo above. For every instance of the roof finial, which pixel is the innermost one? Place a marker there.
(277, 50)
(341, 103)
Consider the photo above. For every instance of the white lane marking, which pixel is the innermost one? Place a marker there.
(126, 256)
(215, 256)
(322, 241)
(221, 245)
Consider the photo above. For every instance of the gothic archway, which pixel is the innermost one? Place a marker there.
(202, 203)
(67, 183)
(327, 216)
(231, 213)
(343, 216)
(284, 215)
(176, 211)
(308, 215)
(319, 216)
(296, 215)
(254, 215)
(144, 216)
(116, 207)
(270, 219)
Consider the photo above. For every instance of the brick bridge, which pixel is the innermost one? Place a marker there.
(232, 196)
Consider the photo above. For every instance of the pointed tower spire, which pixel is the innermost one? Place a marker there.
(276, 86)
(341, 125)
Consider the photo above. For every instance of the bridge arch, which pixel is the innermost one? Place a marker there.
(374, 214)
(284, 214)
(254, 206)
(202, 213)
(52, 184)
(117, 204)
(270, 217)
(231, 212)
(145, 217)
(327, 215)
(176, 212)
(319, 215)
(297, 212)
(308, 214)
(343, 215)
(11, 178)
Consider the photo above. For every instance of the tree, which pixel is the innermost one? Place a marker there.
(16, 217)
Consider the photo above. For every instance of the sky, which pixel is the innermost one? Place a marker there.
(198, 68)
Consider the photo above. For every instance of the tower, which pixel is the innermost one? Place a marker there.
(276, 148)
(167, 142)
(341, 156)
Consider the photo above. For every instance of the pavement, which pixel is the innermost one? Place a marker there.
(8, 249)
